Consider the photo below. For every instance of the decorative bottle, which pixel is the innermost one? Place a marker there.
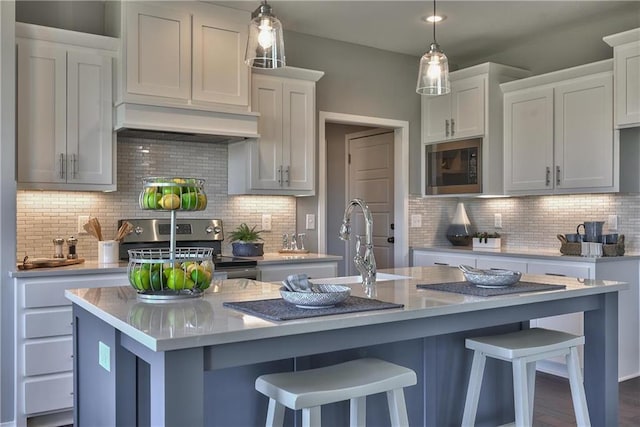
(459, 231)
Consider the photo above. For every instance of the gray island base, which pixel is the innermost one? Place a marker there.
(194, 363)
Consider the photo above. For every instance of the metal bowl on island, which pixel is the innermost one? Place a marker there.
(493, 278)
(320, 296)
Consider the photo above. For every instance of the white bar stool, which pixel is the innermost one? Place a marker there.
(353, 380)
(523, 349)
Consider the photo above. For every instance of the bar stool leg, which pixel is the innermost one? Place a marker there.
(521, 392)
(311, 417)
(397, 408)
(531, 385)
(358, 412)
(577, 388)
(473, 389)
(275, 414)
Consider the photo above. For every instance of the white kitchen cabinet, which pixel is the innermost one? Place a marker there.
(181, 54)
(315, 270)
(459, 114)
(43, 341)
(626, 68)
(624, 269)
(558, 133)
(473, 109)
(281, 161)
(64, 111)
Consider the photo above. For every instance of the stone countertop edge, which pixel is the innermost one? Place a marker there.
(552, 255)
(93, 267)
(115, 306)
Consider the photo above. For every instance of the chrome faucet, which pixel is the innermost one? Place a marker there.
(365, 263)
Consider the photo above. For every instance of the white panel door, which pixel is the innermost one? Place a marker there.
(219, 72)
(41, 98)
(436, 116)
(298, 128)
(584, 133)
(266, 154)
(89, 118)
(467, 107)
(371, 179)
(627, 99)
(528, 140)
(158, 51)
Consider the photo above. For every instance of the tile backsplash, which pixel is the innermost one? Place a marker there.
(44, 215)
(528, 222)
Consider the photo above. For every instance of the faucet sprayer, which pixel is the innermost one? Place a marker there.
(365, 263)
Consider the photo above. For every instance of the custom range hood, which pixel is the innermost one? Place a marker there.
(184, 123)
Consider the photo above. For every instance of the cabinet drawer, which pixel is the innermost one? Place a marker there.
(427, 259)
(507, 264)
(565, 269)
(50, 292)
(49, 323)
(277, 273)
(47, 357)
(48, 394)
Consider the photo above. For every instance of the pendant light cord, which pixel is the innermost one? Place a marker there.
(434, 21)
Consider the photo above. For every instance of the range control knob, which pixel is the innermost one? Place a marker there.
(209, 229)
(138, 230)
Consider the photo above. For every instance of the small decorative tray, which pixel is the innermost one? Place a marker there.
(293, 251)
(494, 278)
(575, 249)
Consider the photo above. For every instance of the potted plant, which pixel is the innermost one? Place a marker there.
(489, 241)
(244, 241)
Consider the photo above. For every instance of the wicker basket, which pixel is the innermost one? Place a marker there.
(575, 249)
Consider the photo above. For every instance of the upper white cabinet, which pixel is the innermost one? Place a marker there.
(282, 160)
(459, 114)
(181, 53)
(626, 56)
(558, 132)
(64, 111)
(473, 109)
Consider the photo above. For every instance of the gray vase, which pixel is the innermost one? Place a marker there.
(247, 249)
(459, 231)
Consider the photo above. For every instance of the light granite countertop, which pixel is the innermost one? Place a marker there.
(212, 324)
(547, 254)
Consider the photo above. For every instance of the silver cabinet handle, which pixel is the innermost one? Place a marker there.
(557, 175)
(61, 166)
(453, 127)
(446, 127)
(440, 263)
(287, 176)
(547, 181)
(280, 176)
(74, 165)
(555, 274)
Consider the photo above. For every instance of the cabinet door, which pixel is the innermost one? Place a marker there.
(627, 99)
(158, 46)
(89, 117)
(266, 154)
(584, 133)
(298, 129)
(436, 116)
(528, 140)
(41, 114)
(467, 107)
(429, 259)
(219, 72)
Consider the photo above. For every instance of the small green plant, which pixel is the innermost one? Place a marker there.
(484, 236)
(245, 234)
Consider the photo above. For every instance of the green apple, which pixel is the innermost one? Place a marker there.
(171, 189)
(156, 280)
(189, 201)
(142, 279)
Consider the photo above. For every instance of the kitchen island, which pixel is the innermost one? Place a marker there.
(194, 362)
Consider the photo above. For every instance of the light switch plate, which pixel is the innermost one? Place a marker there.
(310, 222)
(104, 356)
(497, 220)
(266, 222)
(612, 223)
(82, 220)
(416, 220)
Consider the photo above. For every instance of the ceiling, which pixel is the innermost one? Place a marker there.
(472, 29)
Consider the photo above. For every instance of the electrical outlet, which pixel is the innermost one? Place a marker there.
(266, 222)
(82, 220)
(612, 223)
(104, 356)
(497, 220)
(416, 220)
(310, 222)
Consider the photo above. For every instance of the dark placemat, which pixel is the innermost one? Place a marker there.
(471, 289)
(279, 309)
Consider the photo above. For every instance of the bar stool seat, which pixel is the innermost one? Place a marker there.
(353, 380)
(523, 349)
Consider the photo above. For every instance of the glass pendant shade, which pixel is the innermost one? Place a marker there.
(433, 76)
(265, 45)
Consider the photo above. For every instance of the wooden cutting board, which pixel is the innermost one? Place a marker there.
(48, 263)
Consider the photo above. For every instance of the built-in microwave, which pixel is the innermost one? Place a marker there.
(454, 167)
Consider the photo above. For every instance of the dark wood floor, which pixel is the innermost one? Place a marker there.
(553, 407)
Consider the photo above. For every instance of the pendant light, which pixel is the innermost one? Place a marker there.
(433, 76)
(265, 45)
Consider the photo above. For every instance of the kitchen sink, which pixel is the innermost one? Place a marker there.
(347, 280)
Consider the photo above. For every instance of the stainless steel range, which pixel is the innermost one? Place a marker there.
(208, 233)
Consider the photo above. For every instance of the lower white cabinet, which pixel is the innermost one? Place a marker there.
(624, 269)
(44, 343)
(315, 270)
